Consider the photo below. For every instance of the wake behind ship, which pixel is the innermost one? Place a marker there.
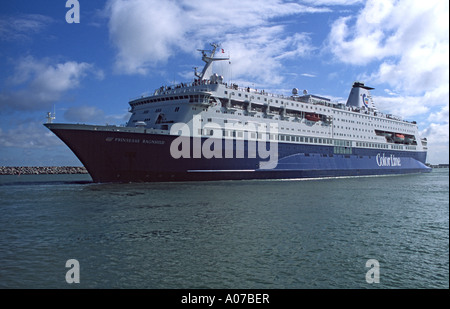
(212, 130)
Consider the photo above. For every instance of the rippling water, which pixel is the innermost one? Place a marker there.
(227, 234)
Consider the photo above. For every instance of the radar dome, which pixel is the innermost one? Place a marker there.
(295, 91)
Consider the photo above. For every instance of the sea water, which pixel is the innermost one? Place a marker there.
(262, 234)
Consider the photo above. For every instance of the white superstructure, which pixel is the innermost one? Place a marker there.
(298, 118)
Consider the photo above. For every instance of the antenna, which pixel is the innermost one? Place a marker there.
(50, 116)
(208, 61)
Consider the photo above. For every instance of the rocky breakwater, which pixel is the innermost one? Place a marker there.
(39, 170)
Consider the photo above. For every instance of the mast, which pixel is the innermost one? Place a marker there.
(50, 116)
(208, 61)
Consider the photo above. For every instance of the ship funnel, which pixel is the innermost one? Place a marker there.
(360, 97)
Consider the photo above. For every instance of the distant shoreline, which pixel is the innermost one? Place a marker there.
(45, 170)
(438, 165)
(41, 170)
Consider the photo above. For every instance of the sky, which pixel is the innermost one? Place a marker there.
(87, 71)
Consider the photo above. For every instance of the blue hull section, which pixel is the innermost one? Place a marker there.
(135, 157)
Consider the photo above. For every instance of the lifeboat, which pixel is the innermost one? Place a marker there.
(409, 140)
(141, 124)
(398, 137)
(312, 117)
(386, 134)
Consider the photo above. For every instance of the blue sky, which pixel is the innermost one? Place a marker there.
(88, 71)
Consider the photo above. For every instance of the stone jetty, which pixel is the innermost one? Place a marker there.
(39, 170)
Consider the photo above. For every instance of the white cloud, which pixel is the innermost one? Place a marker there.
(92, 114)
(405, 107)
(29, 143)
(83, 114)
(28, 135)
(409, 37)
(19, 28)
(390, 92)
(408, 41)
(257, 56)
(37, 84)
(438, 142)
(383, 29)
(147, 33)
(441, 116)
(332, 2)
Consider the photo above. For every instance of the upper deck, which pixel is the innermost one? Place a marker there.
(216, 101)
(187, 92)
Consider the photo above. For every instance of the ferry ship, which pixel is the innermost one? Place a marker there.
(211, 130)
